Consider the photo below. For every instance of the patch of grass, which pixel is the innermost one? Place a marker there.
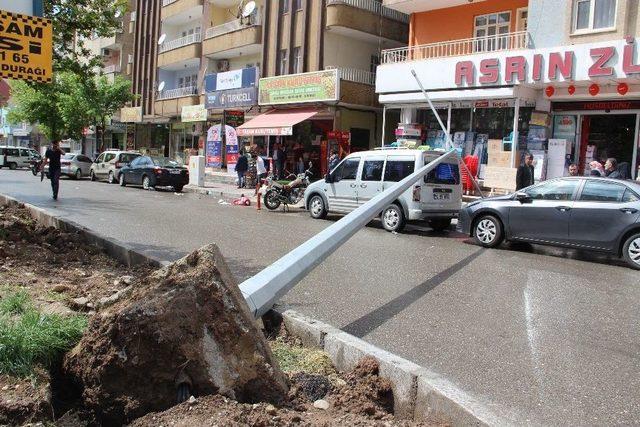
(14, 303)
(29, 338)
(294, 358)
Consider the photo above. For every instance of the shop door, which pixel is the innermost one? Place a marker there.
(342, 192)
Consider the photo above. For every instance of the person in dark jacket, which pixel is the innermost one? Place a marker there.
(241, 168)
(525, 175)
(611, 169)
(52, 158)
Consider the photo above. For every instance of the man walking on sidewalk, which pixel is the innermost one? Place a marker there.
(52, 157)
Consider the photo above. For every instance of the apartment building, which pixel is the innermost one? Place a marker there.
(117, 60)
(494, 65)
(215, 57)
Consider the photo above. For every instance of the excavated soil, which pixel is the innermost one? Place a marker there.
(63, 274)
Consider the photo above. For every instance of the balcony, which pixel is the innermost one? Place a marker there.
(463, 47)
(234, 38)
(355, 75)
(178, 93)
(170, 102)
(175, 9)
(370, 18)
(111, 69)
(180, 51)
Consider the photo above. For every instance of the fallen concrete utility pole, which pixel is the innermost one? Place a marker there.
(264, 289)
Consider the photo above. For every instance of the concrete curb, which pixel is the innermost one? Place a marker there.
(418, 392)
(217, 193)
(114, 248)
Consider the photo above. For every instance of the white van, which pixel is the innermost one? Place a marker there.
(361, 176)
(17, 157)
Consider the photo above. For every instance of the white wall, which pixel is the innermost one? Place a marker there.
(345, 52)
(175, 31)
(546, 22)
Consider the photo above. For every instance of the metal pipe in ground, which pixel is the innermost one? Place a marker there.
(264, 289)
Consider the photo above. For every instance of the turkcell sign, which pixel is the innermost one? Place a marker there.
(235, 79)
(221, 99)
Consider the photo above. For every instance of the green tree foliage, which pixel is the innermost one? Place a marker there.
(107, 98)
(38, 104)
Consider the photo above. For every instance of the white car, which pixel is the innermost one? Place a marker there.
(361, 176)
(108, 164)
(17, 157)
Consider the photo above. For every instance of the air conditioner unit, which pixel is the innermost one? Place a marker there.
(222, 65)
(105, 52)
(130, 59)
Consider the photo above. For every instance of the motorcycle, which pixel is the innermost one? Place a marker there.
(286, 194)
(34, 165)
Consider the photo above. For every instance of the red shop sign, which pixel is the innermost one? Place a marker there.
(596, 105)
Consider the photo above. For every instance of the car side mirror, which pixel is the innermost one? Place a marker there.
(523, 198)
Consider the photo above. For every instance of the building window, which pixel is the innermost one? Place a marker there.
(297, 60)
(282, 69)
(590, 15)
(492, 31)
(297, 4)
(284, 6)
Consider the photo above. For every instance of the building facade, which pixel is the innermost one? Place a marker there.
(557, 70)
(215, 55)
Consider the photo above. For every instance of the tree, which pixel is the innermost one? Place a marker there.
(107, 98)
(38, 104)
(75, 105)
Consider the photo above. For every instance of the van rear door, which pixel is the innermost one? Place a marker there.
(442, 187)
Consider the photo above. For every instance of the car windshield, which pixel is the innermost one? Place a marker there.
(165, 162)
(128, 158)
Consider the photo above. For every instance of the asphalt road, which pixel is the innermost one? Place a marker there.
(541, 336)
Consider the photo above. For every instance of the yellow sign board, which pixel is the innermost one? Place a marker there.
(131, 114)
(26, 47)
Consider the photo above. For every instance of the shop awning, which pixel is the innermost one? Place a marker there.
(275, 122)
(450, 95)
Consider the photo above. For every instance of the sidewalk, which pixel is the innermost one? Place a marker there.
(226, 192)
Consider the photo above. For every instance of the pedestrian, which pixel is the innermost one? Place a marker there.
(611, 169)
(333, 160)
(278, 161)
(261, 171)
(241, 168)
(525, 176)
(596, 168)
(573, 169)
(52, 158)
(300, 166)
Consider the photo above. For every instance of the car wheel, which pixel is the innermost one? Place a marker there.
(92, 175)
(440, 224)
(178, 188)
(393, 218)
(317, 209)
(631, 251)
(121, 180)
(146, 183)
(13, 166)
(111, 179)
(488, 231)
(78, 174)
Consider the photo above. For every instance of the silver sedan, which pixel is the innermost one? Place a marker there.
(598, 214)
(74, 165)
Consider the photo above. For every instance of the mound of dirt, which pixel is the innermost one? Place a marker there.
(186, 327)
(24, 401)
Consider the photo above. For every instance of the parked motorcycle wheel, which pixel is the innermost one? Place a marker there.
(34, 171)
(271, 200)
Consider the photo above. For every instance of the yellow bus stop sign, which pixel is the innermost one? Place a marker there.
(26, 47)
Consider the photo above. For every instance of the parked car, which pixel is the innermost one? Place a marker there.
(598, 214)
(17, 157)
(362, 176)
(73, 165)
(151, 172)
(109, 163)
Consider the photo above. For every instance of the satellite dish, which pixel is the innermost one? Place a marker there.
(161, 86)
(118, 13)
(162, 38)
(248, 9)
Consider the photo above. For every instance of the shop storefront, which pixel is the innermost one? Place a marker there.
(570, 104)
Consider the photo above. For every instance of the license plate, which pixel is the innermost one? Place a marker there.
(175, 172)
(441, 196)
